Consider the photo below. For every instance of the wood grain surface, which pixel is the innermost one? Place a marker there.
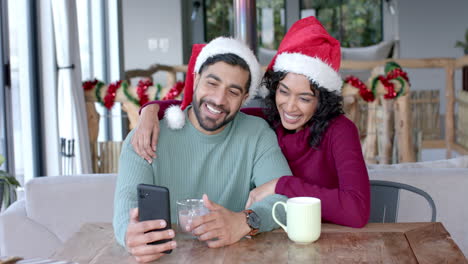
(375, 243)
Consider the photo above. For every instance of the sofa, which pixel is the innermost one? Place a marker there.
(55, 207)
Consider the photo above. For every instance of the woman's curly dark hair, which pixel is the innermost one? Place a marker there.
(330, 106)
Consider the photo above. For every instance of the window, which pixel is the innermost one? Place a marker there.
(18, 58)
(355, 23)
(24, 97)
(219, 21)
(270, 23)
(99, 54)
(4, 86)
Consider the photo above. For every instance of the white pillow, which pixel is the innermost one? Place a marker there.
(375, 52)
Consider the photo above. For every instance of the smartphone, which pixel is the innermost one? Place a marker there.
(153, 203)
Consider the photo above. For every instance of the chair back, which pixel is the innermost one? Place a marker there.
(385, 196)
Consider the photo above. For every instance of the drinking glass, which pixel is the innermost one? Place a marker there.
(188, 210)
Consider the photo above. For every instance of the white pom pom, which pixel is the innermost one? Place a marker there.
(175, 117)
(263, 92)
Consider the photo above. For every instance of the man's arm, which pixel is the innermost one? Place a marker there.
(129, 232)
(133, 170)
(145, 139)
(270, 164)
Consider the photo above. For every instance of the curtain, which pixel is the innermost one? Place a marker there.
(73, 126)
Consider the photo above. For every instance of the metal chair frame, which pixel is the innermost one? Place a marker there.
(385, 198)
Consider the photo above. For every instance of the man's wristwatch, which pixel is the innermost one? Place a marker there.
(253, 220)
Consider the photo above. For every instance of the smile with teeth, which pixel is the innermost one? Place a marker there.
(291, 117)
(212, 110)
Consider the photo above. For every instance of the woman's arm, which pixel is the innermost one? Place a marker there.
(145, 139)
(163, 105)
(349, 204)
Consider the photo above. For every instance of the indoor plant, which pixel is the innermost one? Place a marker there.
(8, 185)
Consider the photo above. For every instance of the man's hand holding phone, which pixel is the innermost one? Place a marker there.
(138, 237)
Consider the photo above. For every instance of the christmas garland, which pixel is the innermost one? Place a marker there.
(174, 91)
(88, 85)
(109, 98)
(365, 93)
(393, 71)
(97, 92)
(141, 89)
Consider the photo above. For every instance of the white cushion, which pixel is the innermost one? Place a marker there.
(379, 51)
(375, 52)
(63, 203)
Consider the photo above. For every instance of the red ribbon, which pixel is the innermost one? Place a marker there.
(174, 91)
(397, 72)
(109, 99)
(142, 87)
(88, 85)
(389, 86)
(365, 93)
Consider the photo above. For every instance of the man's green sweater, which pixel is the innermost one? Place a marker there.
(225, 166)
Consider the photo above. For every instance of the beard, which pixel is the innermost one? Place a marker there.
(207, 123)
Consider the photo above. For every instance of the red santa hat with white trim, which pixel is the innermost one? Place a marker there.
(200, 53)
(308, 49)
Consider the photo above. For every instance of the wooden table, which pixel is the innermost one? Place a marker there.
(375, 243)
(19, 260)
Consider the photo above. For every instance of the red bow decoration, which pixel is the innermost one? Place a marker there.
(393, 72)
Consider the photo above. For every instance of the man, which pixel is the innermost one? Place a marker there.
(215, 151)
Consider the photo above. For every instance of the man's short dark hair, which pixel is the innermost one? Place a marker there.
(231, 59)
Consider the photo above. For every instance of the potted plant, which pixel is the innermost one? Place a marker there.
(464, 46)
(8, 185)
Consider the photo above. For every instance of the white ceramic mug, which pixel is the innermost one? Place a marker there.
(304, 219)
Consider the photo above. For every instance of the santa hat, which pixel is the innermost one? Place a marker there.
(308, 49)
(200, 53)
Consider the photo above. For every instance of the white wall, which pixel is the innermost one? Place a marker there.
(431, 27)
(158, 22)
(428, 29)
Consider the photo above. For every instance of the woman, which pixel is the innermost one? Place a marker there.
(305, 109)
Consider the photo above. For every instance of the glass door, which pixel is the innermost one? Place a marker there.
(19, 104)
(5, 90)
